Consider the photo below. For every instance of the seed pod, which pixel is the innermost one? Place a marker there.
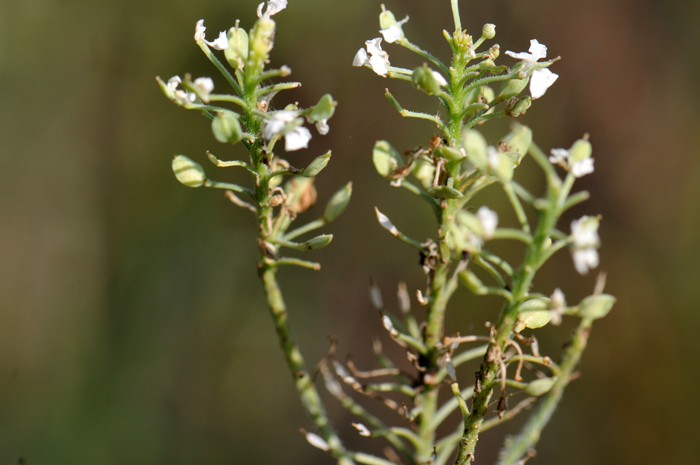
(595, 306)
(540, 387)
(237, 51)
(316, 166)
(226, 128)
(476, 148)
(188, 172)
(338, 203)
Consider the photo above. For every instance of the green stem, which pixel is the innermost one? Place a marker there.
(530, 434)
(455, 15)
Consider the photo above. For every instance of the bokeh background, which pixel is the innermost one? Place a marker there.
(132, 326)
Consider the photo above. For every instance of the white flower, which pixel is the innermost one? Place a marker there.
(173, 82)
(273, 7)
(375, 57)
(221, 42)
(559, 157)
(199, 30)
(438, 77)
(276, 124)
(541, 80)
(394, 32)
(493, 157)
(585, 259)
(585, 241)
(362, 429)
(558, 306)
(181, 95)
(488, 219)
(322, 127)
(205, 86)
(537, 51)
(296, 139)
(562, 157)
(582, 168)
(316, 441)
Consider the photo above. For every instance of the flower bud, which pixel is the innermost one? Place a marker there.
(448, 153)
(476, 147)
(226, 128)
(323, 110)
(519, 107)
(428, 81)
(488, 31)
(316, 166)
(518, 140)
(468, 279)
(262, 38)
(595, 306)
(337, 203)
(386, 159)
(386, 19)
(581, 150)
(512, 88)
(188, 172)
(540, 387)
(237, 51)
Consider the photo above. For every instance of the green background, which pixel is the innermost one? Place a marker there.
(132, 325)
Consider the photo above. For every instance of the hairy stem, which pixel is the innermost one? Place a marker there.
(530, 433)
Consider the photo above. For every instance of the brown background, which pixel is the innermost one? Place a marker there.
(132, 326)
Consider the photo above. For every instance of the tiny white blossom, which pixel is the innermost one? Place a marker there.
(562, 157)
(537, 51)
(362, 429)
(389, 326)
(488, 219)
(205, 85)
(559, 157)
(582, 168)
(375, 57)
(493, 157)
(184, 97)
(438, 77)
(558, 306)
(276, 124)
(297, 138)
(316, 441)
(273, 7)
(585, 241)
(322, 127)
(541, 80)
(173, 82)
(394, 32)
(361, 58)
(199, 30)
(221, 42)
(585, 259)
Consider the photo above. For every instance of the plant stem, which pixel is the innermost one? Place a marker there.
(530, 433)
(308, 393)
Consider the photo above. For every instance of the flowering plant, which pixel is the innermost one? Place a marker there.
(446, 174)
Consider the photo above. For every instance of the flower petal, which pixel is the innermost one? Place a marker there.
(438, 77)
(379, 64)
(374, 47)
(585, 259)
(488, 219)
(541, 80)
(199, 30)
(221, 42)
(297, 139)
(582, 168)
(392, 33)
(361, 58)
(537, 50)
(322, 127)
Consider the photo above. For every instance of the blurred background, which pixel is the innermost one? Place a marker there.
(132, 325)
